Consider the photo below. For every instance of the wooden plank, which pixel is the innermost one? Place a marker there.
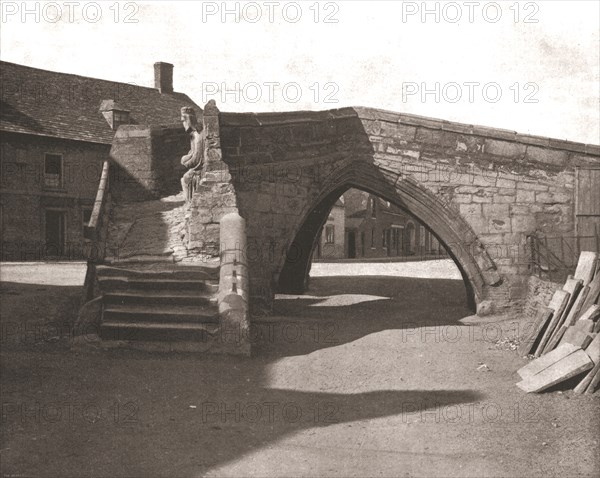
(591, 313)
(564, 369)
(538, 326)
(556, 338)
(572, 286)
(586, 380)
(586, 266)
(557, 300)
(577, 337)
(576, 307)
(593, 350)
(594, 383)
(593, 293)
(570, 319)
(537, 365)
(555, 318)
(585, 325)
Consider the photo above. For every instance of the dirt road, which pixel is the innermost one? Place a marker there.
(363, 376)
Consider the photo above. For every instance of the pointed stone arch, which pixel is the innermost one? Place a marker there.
(445, 223)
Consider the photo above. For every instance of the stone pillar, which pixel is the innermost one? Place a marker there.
(234, 285)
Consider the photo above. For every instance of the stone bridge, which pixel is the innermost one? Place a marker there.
(481, 191)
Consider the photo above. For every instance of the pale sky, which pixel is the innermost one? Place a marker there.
(531, 67)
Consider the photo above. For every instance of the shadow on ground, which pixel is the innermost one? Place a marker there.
(297, 407)
(337, 310)
(87, 411)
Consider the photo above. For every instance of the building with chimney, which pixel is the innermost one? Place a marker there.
(57, 130)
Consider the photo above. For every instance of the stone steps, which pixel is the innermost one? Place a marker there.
(161, 312)
(170, 297)
(160, 271)
(141, 332)
(158, 302)
(126, 283)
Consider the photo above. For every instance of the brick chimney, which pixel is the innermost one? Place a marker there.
(163, 77)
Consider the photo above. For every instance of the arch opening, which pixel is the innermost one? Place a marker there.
(450, 231)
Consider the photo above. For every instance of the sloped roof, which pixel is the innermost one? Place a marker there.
(67, 106)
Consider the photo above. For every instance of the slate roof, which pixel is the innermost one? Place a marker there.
(67, 106)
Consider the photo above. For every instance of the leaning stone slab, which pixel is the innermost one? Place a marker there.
(586, 266)
(537, 365)
(561, 370)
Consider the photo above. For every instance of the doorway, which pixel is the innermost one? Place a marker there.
(55, 233)
(351, 245)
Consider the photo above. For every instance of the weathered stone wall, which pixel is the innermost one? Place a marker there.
(480, 190)
(147, 161)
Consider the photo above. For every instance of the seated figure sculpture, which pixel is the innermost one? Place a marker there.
(194, 160)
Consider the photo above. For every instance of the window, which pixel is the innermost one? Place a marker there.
(53, 170)
(421, 236)
(373, 238)
(395, 238)
(329, 234)
(384, 236)
(373, 208)
(119, 118)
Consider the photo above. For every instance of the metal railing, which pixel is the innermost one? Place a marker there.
(554, 258)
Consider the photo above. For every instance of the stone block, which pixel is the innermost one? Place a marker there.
(262, 202)
(525, 196)
(499, 225)
(496, 211)
(397, 130)
(531, 186)
(462, 199)
(583, 160)
(548, 156)
(523, 224)
(503, 199)
(504, 148)
(468, 189)
(267, 188)
(507, 192)
(517, 209)
(483, 178)
(506, 183)
(477, 198)
(552, 198)
(470, 209)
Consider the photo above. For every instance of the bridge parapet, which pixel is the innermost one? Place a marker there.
(480, 190)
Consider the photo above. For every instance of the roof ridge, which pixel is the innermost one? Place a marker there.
(70, 107)
(75, 75)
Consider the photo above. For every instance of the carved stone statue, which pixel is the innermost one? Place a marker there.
(194, 160)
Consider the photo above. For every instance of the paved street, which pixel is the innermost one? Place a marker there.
(366, 375)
